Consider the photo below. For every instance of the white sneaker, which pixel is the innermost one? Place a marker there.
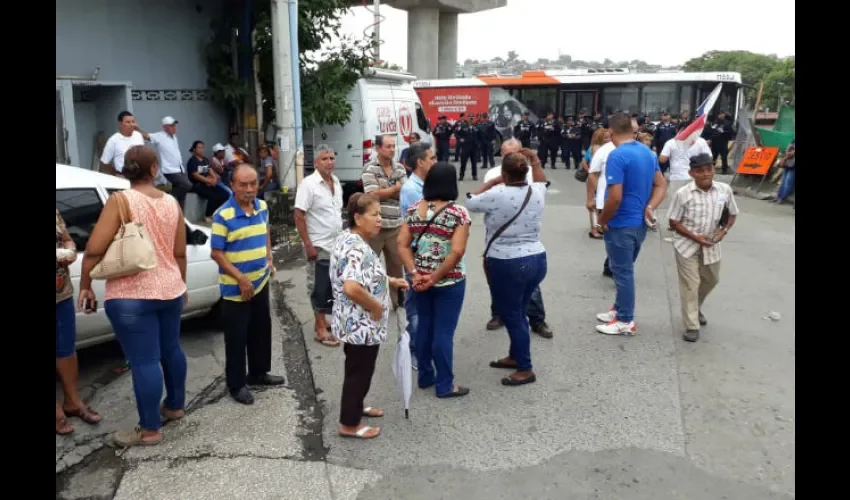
(617, 328)
(607, 317)
(414, 364)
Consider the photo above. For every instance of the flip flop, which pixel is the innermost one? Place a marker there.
(63, 427)
(85, 414)
(361, 433)
(596, 237)
(373, 412)
(327, 342)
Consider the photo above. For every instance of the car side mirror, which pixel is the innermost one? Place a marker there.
(197, 237)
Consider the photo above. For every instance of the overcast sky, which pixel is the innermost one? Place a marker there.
(664, 32)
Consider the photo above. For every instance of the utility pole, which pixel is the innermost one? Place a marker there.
(283, 93)
(376, 31)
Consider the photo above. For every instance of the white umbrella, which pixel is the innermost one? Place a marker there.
(401, 360)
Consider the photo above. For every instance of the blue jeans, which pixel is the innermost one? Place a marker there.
(225, 187)
(787, 186)
(66, 329)
(536, 310)
(512, 284)
(623, 246)
(438, 311)
(149, 333)
(410, 310)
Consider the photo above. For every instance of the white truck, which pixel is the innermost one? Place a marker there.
(382, 102)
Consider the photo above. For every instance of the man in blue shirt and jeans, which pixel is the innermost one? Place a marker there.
(635, 189)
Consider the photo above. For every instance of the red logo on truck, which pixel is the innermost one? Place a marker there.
(405, 122)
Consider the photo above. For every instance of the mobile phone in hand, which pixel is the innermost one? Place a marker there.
(90, 306)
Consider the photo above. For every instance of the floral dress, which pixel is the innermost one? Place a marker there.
(435, 243)
(64, 287)
(352, 259)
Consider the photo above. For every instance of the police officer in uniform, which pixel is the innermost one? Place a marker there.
(455, 130)
(664, 131)
(572, 135)
(467, 143)
(593, 124)
(487, 134)
(549, 134)
(684, 120)
(523, 130)
(443, 134)
(723, 131)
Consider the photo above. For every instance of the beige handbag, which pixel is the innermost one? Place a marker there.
(130, 252)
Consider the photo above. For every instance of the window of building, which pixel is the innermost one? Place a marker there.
(80, 209)
(620, 97)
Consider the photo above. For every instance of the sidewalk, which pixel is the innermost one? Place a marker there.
(221, 449)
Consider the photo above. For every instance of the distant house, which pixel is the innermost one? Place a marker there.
(151, 62)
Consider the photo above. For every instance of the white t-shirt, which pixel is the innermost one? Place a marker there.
(597, 164)
(496, 171)
(117, 145)
(680, 158)
(499, 205)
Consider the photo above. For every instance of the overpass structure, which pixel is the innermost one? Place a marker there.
(432, 32)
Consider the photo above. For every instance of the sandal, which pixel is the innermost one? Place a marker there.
(373, 412)
(63, 427)
(169, 415)
(594, 236)
(361, 433)
(510, 381)
(134, 437)
(327, 342)
(458, 392)
(85, 414)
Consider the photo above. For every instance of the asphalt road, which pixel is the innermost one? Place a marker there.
(647, 417)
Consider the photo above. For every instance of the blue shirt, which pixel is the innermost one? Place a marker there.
(633, 165)
(243, 240)
(411, 192)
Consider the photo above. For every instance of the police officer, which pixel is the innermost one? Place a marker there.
(664, 131)
(523, 130)
(549, 134)
(723, 131)
(443, 134)
(486, 135)
(467, 138)
(684, 120)
(593, 124)
(572, 134)
(455, 130)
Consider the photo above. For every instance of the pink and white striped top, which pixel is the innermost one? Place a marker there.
(161, 217)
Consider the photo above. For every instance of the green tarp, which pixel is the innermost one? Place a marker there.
(783, 130)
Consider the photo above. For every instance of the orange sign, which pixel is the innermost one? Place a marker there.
(757, 160)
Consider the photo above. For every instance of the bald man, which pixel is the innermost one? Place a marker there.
(536, 311)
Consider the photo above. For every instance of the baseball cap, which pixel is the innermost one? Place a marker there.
(169, 120)
(218, 147)
(701, 159)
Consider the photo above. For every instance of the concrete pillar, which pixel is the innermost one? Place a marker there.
(423, 25)
(447, 45)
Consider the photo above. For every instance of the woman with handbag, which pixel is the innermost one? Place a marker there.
(514, 258)
(431, 244)
(66, 336)
(139, 247)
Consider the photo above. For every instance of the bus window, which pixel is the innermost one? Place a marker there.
(658, 97)
(620, 97)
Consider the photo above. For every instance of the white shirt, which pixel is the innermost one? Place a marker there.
(680, 158)
(170, 158)
(597, 164)
(117, 145)
(228, 154)
(499, 205)
(323, 209)
(497, 171)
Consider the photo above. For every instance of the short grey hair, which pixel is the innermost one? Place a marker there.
(322, 148)
(513, 142)
(416, 152)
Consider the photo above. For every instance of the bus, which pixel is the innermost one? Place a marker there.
(568, 92)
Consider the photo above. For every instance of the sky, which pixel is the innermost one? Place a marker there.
(658, 32)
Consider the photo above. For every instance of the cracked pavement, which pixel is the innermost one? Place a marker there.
(649, 417)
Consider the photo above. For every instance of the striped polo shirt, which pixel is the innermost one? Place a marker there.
(243, 239)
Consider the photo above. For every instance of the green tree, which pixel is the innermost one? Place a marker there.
(328, 71)
(754, 69)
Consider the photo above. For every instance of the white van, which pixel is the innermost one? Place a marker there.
(383, 102)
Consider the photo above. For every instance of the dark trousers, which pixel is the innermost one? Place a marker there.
(214, 195)
(547, 149)
(487, 155)
(536, 310)
(247, 327)
(359, 368)
(468, 153)
(443, 151)
(721, 148)
(574, 150)
(180, 186)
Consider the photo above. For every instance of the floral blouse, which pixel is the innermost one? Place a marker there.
(64, 287)
(352, 259)
(435, 245)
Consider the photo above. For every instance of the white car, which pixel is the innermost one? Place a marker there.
(80, 196)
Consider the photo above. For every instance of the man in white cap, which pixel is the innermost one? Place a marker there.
(217, 164)
(170, 158)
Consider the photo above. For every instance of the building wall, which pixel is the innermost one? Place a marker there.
(157, 46)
